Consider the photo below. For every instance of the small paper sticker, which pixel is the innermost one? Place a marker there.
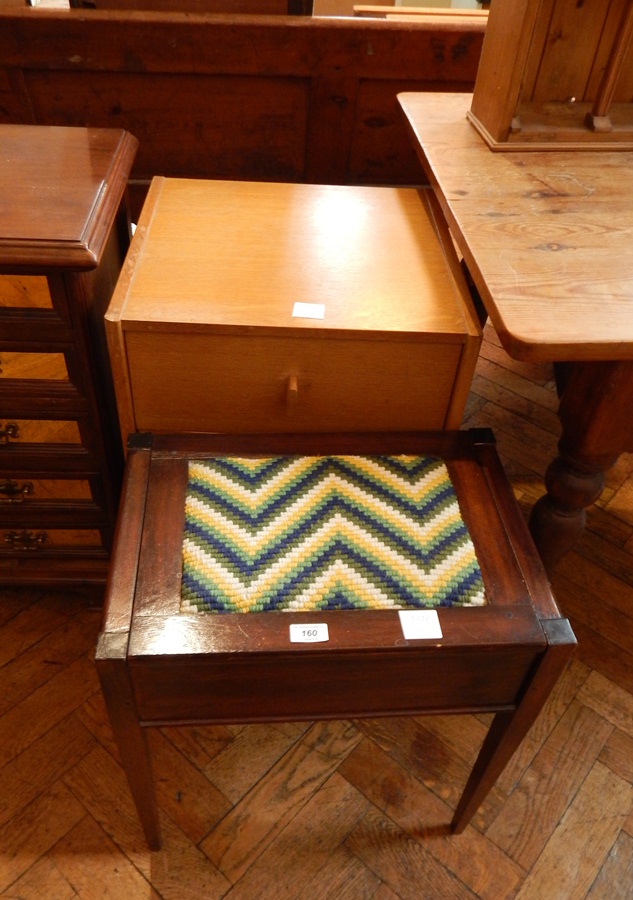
(308, 310)
(309, 634)
(420, 624)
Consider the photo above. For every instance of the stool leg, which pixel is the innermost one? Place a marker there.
(509, 728)
(493, 758)
(128, 734)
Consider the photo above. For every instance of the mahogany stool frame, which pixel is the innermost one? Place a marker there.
(158, 666)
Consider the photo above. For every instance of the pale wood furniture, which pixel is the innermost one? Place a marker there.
(556, 73)
(546, 237)
(63, 235)
(251, 306)
(316, 103)
(158, 665)
(439, 15)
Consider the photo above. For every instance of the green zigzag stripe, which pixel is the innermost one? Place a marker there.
(305, 533)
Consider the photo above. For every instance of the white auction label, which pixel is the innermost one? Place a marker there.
(309, 634)
(420, 624)
(308, 310)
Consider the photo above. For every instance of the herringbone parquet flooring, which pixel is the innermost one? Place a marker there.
(343, 809)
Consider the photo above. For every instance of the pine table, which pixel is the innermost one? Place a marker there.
(547, 237)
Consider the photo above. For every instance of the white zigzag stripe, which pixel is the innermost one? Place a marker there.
(340, 573)
(251, 544)
(426, 584)
(254, 498)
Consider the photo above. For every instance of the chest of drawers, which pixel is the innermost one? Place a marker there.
(63, 236)
(259, 307)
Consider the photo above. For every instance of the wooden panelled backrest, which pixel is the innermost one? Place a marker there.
(279, 98)
(236, 7)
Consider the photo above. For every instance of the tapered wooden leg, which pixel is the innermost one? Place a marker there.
(130, 737)
(111, 656)
(509, 728)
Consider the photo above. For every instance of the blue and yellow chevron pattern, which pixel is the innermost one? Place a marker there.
(307, 533)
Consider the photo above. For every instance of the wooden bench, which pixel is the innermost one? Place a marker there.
(277, 98)
(239, 7)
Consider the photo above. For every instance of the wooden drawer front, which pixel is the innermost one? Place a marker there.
(59, 507)
(35, 431)
(24, 292)
(33, 491)
(41, 366)
(187, 382)
(34, 308)
(51, 541)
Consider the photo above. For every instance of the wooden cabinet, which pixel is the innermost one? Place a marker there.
(63, 236)
(290, 307)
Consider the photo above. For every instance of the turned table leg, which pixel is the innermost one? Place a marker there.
(596, 413)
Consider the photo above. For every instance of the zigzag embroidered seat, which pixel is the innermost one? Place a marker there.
(346, 535)
(306, 533)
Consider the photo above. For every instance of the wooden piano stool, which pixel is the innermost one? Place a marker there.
(367, 522)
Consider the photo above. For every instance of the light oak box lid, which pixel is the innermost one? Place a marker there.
(234, 256)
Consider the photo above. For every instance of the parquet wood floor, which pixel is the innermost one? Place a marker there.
(342, 809)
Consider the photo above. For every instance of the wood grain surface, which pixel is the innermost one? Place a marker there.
(367, 824)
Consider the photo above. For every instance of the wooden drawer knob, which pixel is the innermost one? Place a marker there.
(292, 391)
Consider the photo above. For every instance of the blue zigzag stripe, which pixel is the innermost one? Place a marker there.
(452, 534)
(229, 505)
(298, 563)
(286, 590)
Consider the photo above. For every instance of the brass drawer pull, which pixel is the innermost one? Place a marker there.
(26, 540)
(10, 430)
(14, 492)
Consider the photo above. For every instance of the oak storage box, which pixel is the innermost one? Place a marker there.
(264, 307)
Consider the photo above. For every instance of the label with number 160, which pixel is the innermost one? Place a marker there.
(309, 633)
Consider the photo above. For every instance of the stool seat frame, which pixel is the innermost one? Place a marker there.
(158, 666)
